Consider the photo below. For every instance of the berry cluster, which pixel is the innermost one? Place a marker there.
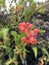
(31, 35)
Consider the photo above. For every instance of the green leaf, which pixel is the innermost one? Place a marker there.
(4, 32)
(45, 58)
(11, 61)
(45, 50)
(42, 31)
(1, 34)
(35, 51)
(17, 37)
(14, 34)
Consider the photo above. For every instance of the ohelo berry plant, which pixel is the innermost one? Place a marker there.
(23, 38)
(14, 43)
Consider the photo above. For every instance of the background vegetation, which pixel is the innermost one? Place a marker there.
(12, 50)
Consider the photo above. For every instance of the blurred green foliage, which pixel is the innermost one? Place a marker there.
(2, 2)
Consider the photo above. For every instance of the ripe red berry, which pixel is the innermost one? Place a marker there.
(23, 39)
(36, 31)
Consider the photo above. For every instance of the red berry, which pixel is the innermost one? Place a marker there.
(30, 26)
(23, 39)
(36, 31)
(33, 40)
